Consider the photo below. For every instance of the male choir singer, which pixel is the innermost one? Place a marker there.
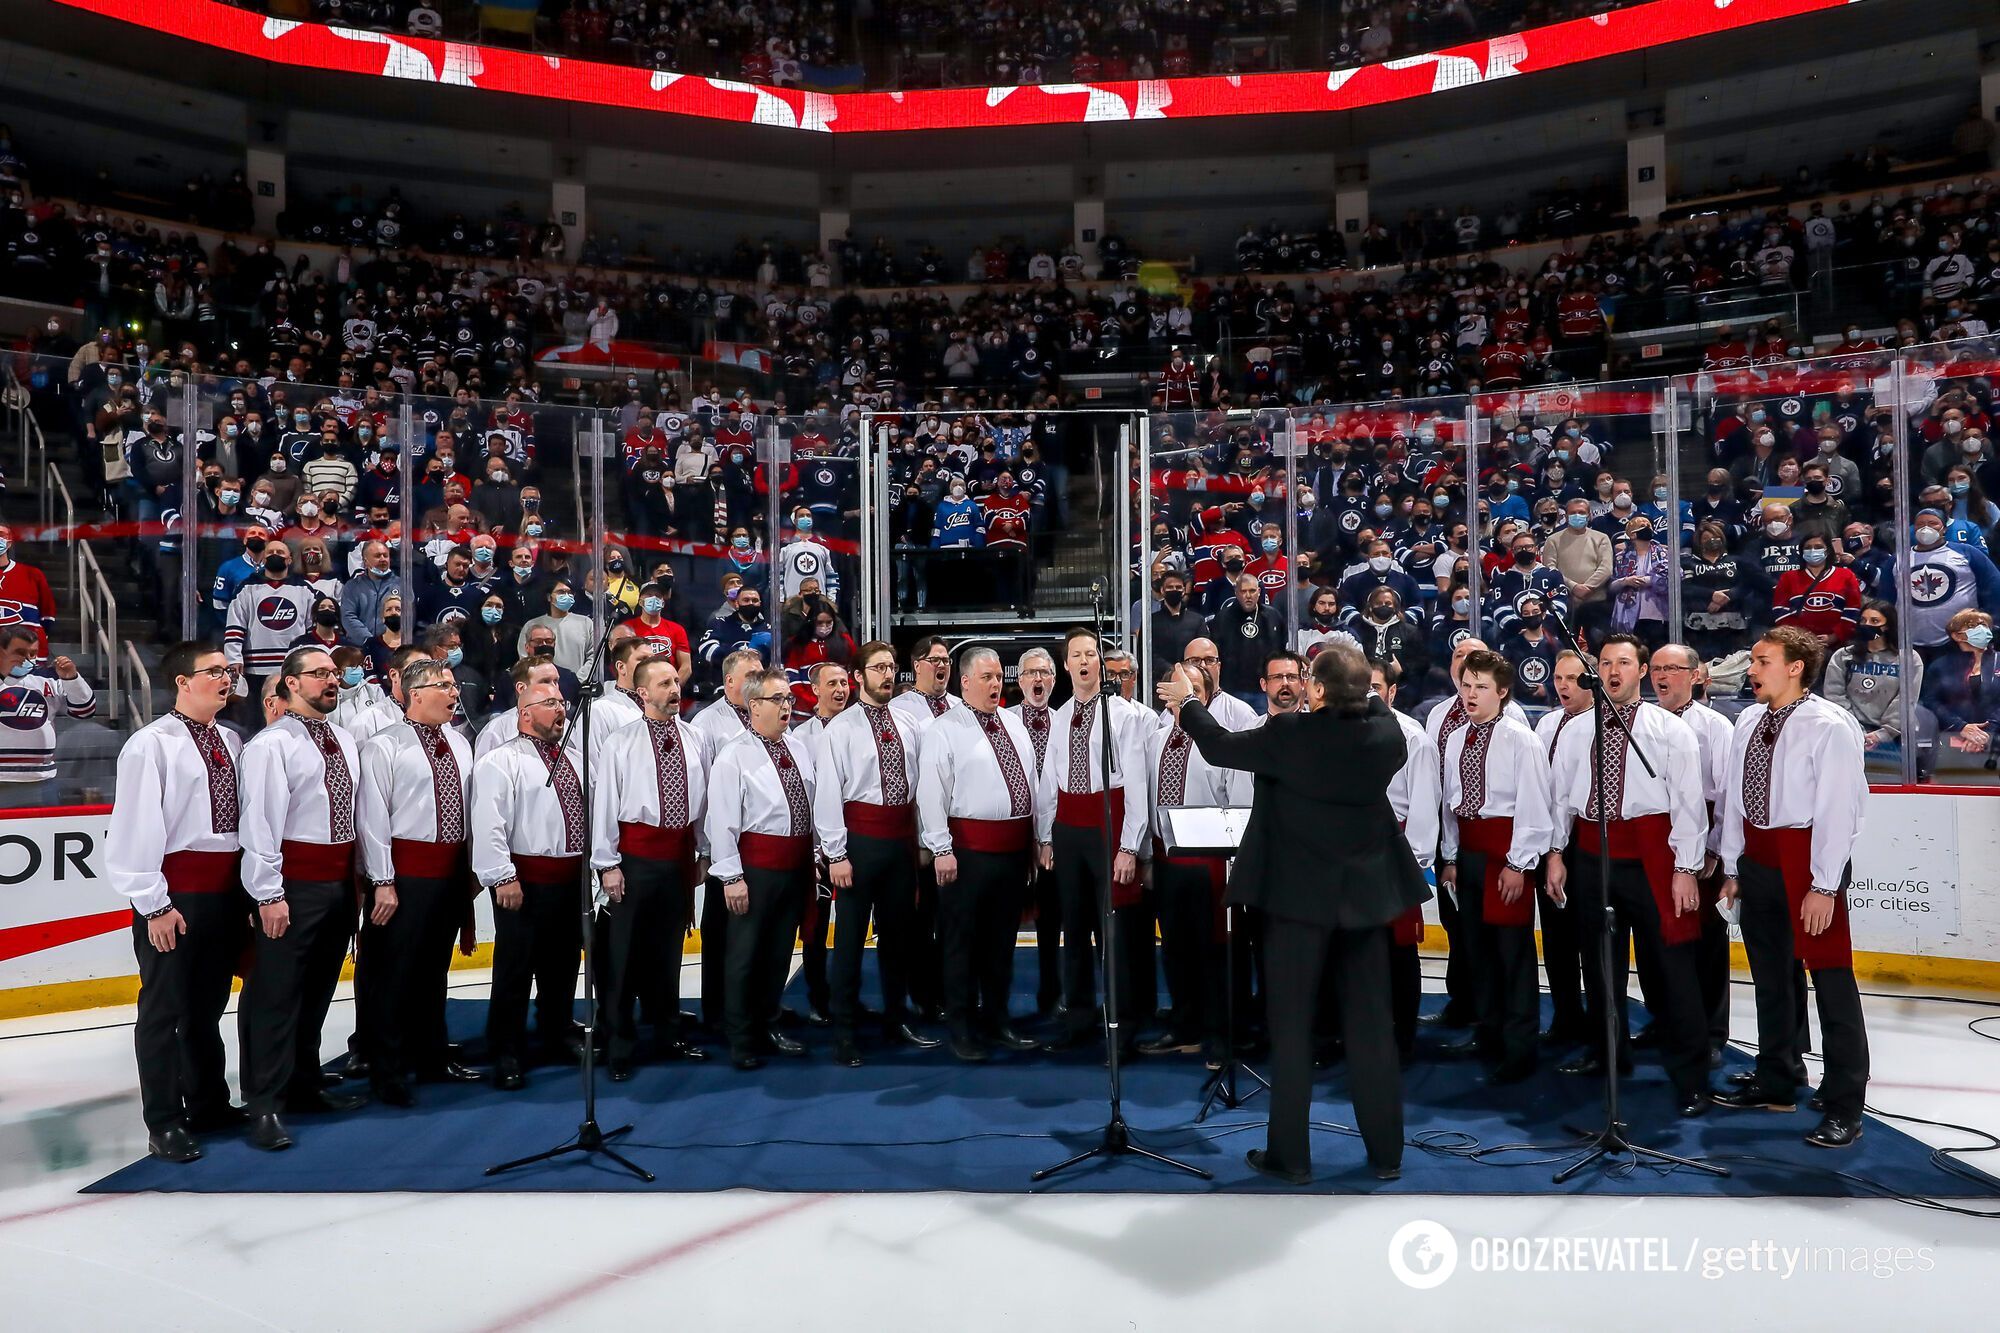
(1323, 859)
(172, 850)
(297, 827)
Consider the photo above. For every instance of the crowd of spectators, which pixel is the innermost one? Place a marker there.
(927, 43)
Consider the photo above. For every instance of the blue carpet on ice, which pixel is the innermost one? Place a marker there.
(915, 1121)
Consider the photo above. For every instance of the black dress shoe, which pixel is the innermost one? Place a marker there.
(968, 1049)
(908, 1036)
(1715, 1057)
(1169, 1043)
(268, 1133)
(1692, 1104)
(816, 1017)
(1006, 1037)
(1747, 1078)
(327, 1080)
(1386, 1172)
(845, 1052)
(1451, 1016)
(777, 1043)
(1753, 1097)
(220, 1120)
(173, 1144)
(357, 1066)
(1646, 1038)
(1261, 1163)
(507, 1074)
(1835, 1131)
(1590, 1063)
(324, 1103)
(682, 1050)
(1069, 1038)
(619, 1070)
(747, 1060)
(1818, 1103)
(451, 1071)
(1463, 1049)
(395, 1092)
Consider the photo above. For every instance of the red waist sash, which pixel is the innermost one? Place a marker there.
(1086, 809)
(1491, 838)
(891, 823)
(426, 860)
(1789, 852)
(773, 851)
(561, 870)
(317, 862)
(200, 872)
(653, 842)
(1645, 840)
(999, 837)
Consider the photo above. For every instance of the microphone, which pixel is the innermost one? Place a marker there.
(1096, 592)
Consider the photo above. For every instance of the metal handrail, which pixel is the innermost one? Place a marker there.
(138, 686)
(97, 621)
(54, 491)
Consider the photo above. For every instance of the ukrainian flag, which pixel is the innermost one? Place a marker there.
(508, 15)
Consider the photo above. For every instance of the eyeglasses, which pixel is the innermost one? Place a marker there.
(547, 703)
(784, 698)
(1039, 673)
(323, 673)
(213, 673)
(1210, 659)
(438, 685)
(935, 661)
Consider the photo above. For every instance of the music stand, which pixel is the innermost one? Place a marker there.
(1214, 830)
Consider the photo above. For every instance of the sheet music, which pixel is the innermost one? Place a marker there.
(1205, 830)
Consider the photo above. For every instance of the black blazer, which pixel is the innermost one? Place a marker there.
(1323, 845)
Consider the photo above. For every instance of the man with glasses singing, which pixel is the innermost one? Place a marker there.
(415, 794)
(172, 849)
(760, 840)
(297, 826)
(930, 664)
(1036, 674)
(527, 836)
(1225, 708)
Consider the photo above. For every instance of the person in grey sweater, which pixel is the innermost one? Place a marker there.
(1865, 677)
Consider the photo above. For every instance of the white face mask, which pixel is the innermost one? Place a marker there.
(1381, 564)
(1778, 529)
(1929, 536)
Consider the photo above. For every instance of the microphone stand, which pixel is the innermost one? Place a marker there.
(1616, 1135)
(589, 1138)
(1117, 1140)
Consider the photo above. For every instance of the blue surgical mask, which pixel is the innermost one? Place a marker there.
(1577, 520)
(1757, 416)
(1256, 499)
(1574, 432)
(352, 676)
(740, 543)
(805, 523)
(534, 529)
(25, 669)
(564, 601)
(651, 605)
(482, 555)
(1813, 555)
(1979, 636)
(1270, 543)
(453, 656)
(490, 614)
(229, 497)
(1960, 487)
(1660, 494)
(1524, 437)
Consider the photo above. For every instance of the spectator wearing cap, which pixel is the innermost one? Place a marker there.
(1962, 684)
(1875, 567)
(1946, 578)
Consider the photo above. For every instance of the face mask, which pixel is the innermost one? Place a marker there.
(1621, 501)
(1172, 598)
(327, 616)
(453, 656)
(958, 492)
(1382, 615)
(231, 497)
(805, 523)
(1524, 557)
(277, 465)
(482, 556)
(1778, 529)
(490, 614)
(1270, 544)
(1381, 564)
(1929, 536)
(1979, 636)
(564, 601)
(1642, 533)
(1813, 556)
(393, 620)
(741, 543)
(750, 610)
(1383, 511)
(1576, 520)
(534, 529)
(543, 650)
(1757, 417)
(1952, 425)
(1574, 432)
(275, 566)
(1441, 499)
(1660, 494)
(352, 676)
(651, 605)
(22, 670)
(1461, 605)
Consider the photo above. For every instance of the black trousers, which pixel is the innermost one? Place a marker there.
(1295, 952)
(884, 889)
(1461, 991)
(760, 953)
(643, 955)
(813, 946)
(1712, 960)
(401, 995)
(1047, 899)
(926, 954)
(1193, 950)
(535, 946)
(1675, 996)
(288, 991)
(1084, 879)
(182, 996)
(1562, 958)
(1507, 993)
(1767, 939)
(1406, 993)
(714, 955)
(978, 917)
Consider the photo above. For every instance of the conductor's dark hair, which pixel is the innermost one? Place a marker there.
(1342, 672)
(180, 659)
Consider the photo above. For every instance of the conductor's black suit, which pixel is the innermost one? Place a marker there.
(1324, 861)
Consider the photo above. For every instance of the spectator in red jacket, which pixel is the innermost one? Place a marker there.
(24, 593)
(1820, 597)
(813, 633)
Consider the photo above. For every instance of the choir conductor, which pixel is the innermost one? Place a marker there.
(1323, 859)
